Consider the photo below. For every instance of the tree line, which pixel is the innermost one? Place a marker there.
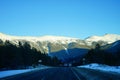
(97, 55)
(22, 56)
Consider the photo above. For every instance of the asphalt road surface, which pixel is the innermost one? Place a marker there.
(65, 73)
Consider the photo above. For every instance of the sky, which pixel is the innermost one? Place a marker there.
(71, 18)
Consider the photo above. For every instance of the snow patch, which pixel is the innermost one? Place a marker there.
(14, 72)
(67, 52)
(102, 67)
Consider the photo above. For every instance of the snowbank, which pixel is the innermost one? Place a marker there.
(102, 67)
(14, 72)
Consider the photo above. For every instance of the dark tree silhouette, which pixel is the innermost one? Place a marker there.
(23, 56)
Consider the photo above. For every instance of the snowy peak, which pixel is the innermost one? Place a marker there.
(113, 37)
(55, 43)
(43, 38)
(110, 38)
(59, 42)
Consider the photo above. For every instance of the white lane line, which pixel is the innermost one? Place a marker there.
(75, 74)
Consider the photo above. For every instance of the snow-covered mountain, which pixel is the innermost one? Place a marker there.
(109, 38)
(65, 48)
(48, 44)
(44, 38)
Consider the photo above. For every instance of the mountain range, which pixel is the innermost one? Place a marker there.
(64, 47)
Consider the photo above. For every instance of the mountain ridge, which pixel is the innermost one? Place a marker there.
(46, 37)
(110, 38)
(64, 48)
(47, 44)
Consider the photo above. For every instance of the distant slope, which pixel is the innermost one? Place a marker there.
(114, 47)
(109, 38)
(64, 48)
(45, 44)
(70, 54)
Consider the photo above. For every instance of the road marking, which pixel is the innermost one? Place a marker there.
(75, 74)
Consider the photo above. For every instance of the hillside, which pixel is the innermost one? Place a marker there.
(66, 49)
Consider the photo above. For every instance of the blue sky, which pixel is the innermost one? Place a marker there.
(72, 18)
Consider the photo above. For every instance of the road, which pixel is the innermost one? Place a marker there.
(65, 73)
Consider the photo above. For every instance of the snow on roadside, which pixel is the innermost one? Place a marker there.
(102, 67)
(14, 72)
